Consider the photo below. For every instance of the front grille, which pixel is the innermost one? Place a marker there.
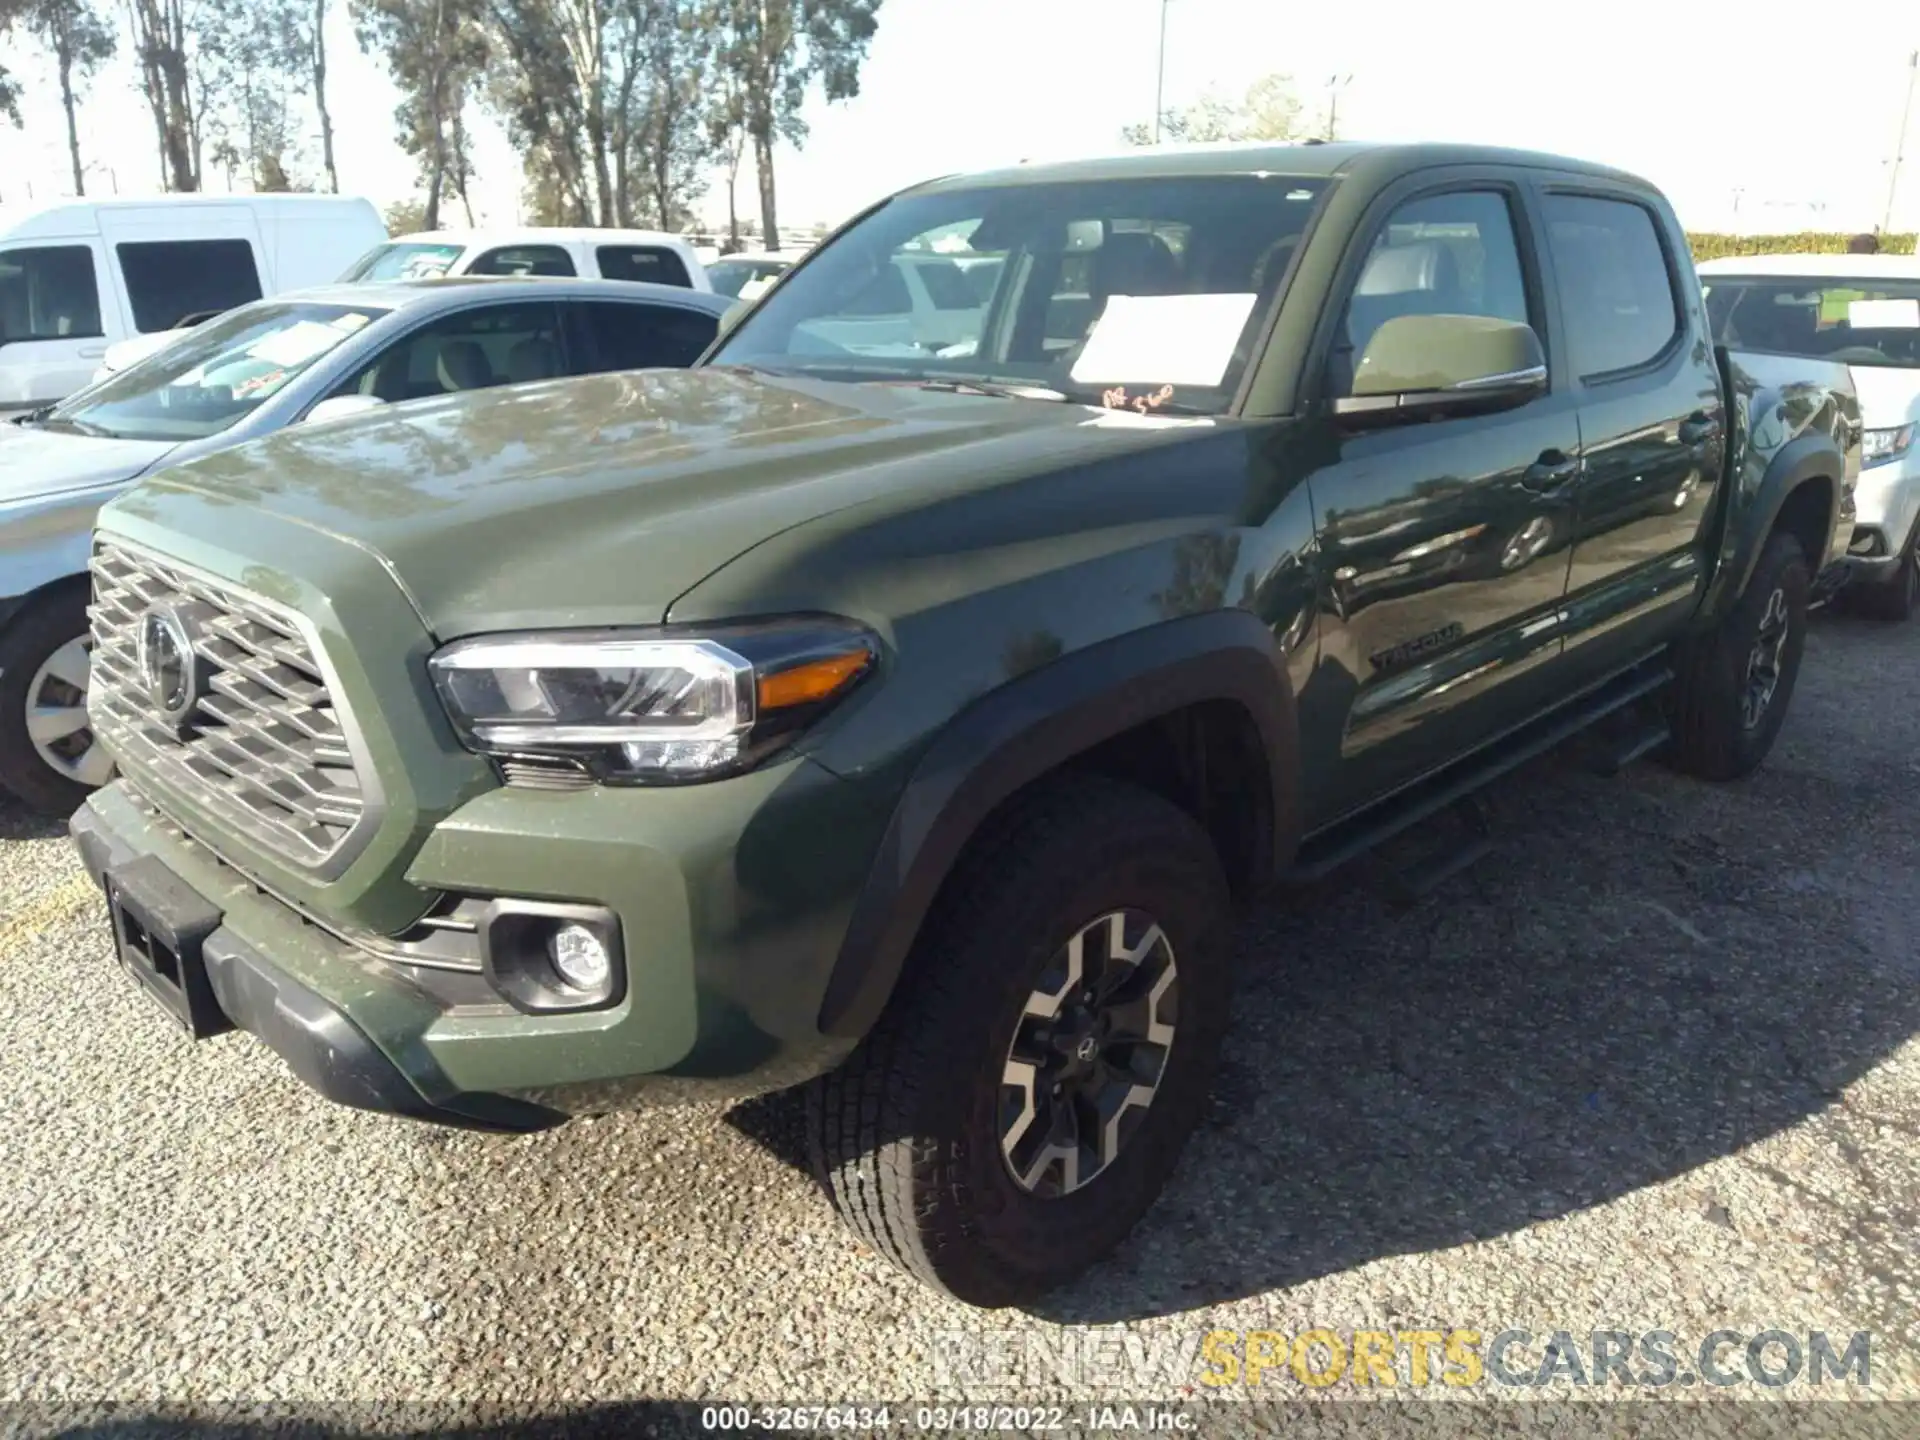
(265, 747)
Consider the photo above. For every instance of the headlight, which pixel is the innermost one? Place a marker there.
(653, 706)
(1879, 446)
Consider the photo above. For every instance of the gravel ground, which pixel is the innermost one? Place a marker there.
(1649, 1066)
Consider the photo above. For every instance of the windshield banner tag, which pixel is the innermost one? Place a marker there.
(1170, 339)
(1884, 314)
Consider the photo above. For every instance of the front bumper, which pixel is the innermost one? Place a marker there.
(732, 908)
(317, 1038)
(1886, 506)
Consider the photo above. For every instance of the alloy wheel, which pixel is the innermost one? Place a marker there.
(1763, 661)
(57, 722)
(1089, 1053)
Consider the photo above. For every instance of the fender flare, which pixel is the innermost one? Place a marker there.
(1751, 518)
(1028, 727)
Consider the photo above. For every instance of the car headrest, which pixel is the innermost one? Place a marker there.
(535, 358)
(463, 365)
(1134, 262)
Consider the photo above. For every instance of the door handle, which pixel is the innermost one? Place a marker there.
(1698, 428)
(92, 352)
(1553, 469)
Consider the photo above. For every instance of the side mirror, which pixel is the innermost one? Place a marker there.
(338, 407)
(1425, 366)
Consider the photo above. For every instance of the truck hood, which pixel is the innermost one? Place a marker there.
(1888, 397)
(36, 463)
(599, 500)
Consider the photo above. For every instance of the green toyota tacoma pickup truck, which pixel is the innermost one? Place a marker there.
(901, 711)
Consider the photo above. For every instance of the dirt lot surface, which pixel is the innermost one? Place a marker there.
(1648, 1067)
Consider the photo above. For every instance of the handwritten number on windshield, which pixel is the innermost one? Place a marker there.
(1118, 399)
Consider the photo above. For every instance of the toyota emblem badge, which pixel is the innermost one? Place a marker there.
(168, 665)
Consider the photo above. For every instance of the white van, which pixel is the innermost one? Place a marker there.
(79, 275)
(649, 255)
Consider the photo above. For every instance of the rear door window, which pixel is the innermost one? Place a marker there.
(524, 260)
(646, 337)
(47, 292)
(1616, 286)
(654, 263)
(169, 280)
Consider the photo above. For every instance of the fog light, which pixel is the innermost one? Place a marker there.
(580, 957)
(543, 957)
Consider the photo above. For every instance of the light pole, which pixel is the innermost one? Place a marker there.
(1334, 86)
(1160, 82)
(1900, 145)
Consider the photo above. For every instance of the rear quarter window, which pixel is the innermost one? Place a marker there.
(653, 263)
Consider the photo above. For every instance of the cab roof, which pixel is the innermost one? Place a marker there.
(1307, 161)
(1839, 267)
(438, 290)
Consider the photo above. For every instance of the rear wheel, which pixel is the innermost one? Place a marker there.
(1024, 1098)
(1734, 683)
(49, 757)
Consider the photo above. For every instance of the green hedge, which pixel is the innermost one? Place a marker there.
(1708, 246)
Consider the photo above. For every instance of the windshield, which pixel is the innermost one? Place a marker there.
(1854, 322)
(1144, 293)
(733, 277)
(404, 262)
(208, 380)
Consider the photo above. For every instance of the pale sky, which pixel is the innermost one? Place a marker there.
(1755, 118)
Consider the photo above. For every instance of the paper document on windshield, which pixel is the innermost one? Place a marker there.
(296, 344)
(1884, 314)
(1164, 339)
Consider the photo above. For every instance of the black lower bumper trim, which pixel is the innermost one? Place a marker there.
(316, 1039)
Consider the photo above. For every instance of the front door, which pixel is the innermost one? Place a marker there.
(1651, 425)
(56, 320)
(1442, 546)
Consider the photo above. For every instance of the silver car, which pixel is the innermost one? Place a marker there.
(304, 355)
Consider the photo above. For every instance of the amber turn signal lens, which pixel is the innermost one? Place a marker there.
(815, 680)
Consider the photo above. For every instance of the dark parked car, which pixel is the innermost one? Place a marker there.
(906, 722)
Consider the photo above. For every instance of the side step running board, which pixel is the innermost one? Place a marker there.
(1413, 883)
(1335, 846)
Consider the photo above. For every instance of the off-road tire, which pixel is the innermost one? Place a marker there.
(905, 1135)
(25, 645)
(1896, 597)
(1704, 706)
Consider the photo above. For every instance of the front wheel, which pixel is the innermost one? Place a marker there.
(48, 754)
(1733, 685)
(1024, 1098)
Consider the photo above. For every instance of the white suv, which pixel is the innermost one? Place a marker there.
(1864, 311)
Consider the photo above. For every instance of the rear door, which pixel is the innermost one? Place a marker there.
(1442, 545)
(1651, 418)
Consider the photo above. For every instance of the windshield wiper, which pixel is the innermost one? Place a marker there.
(72, 427)
(959, 386)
